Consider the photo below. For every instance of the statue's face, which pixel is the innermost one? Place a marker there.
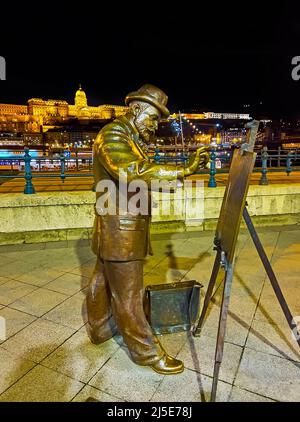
(146, 121)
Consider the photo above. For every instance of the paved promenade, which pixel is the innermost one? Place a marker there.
(47, 355)
(81, 183)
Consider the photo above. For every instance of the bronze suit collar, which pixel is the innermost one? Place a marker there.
(134, 133)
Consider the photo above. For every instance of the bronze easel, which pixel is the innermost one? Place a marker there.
(232, 210)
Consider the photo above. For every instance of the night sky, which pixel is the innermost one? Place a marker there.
(212, 56)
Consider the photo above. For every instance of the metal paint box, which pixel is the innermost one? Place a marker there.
(174, 307)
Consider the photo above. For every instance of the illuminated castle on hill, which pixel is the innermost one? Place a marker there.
(39, 113)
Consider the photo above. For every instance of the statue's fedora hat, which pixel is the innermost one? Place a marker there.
(152, 95)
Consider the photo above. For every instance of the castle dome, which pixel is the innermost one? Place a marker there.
(80, 98)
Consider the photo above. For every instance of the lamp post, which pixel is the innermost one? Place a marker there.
(181, 130)
(76, 155)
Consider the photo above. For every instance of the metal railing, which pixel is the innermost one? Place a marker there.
(285, 162)
(29, 174)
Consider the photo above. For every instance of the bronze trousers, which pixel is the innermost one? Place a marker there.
(114, 303)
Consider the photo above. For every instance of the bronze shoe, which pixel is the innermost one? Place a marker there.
(168, 365)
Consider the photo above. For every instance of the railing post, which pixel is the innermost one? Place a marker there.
(62, 167)
(29, 188)
(264, 167)
(212, 172)
(94, 184)
(157, 156)
(289, 164)
(181, 157)
(184, 157)
(76, 159)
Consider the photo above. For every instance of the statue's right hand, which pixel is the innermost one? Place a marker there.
(200, 157)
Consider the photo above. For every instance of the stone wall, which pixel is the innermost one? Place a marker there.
(69, 215)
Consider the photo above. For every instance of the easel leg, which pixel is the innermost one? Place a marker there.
(208, 294)
(222, 329)
(270, 273)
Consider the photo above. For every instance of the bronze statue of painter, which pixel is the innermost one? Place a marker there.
(114, 301)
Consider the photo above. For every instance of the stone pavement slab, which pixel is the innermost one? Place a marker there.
(274, 339)
(5, 260)
(42, 384)
(91, 392)
(68, 313)
(37, 340)
(269, 375)
(240, 395)
(39, 301)
(3, 280)
(39, 277)
(12, 290)
(123, 378)
(198, 355)
(79, 358)
(237, 328)
(15, 321)
(68, 284)
(86, 269)
(189, 386)
(16, 269)
(173, 343)
(12, 369)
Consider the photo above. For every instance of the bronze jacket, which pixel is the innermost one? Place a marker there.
(123, 237)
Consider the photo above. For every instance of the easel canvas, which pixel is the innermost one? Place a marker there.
(232, 210)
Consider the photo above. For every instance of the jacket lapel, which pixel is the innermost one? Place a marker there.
(134, 136)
